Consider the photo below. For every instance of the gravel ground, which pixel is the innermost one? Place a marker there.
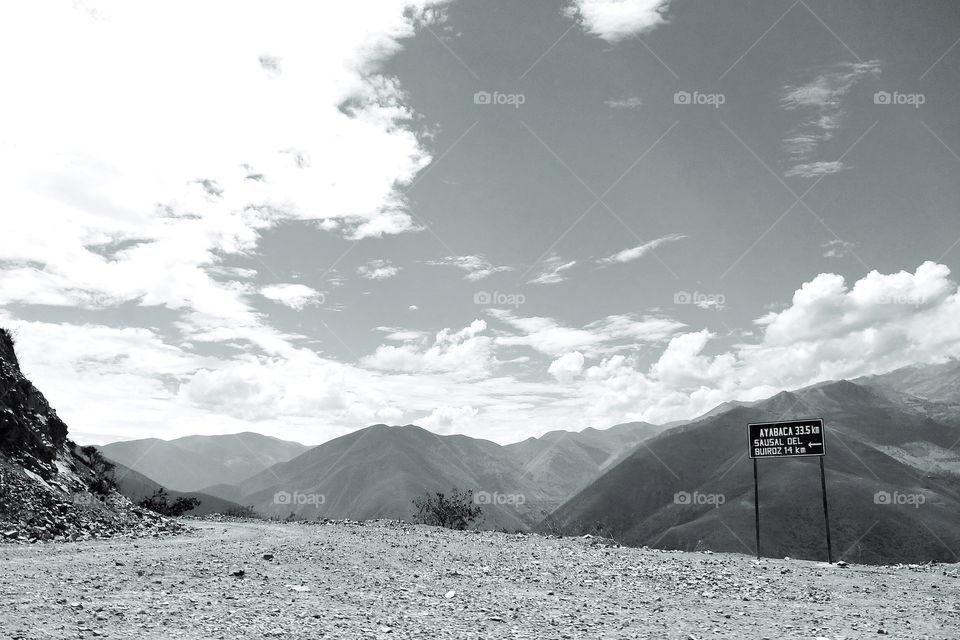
(392, 580)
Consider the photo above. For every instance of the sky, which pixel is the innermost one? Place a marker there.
(482, 217)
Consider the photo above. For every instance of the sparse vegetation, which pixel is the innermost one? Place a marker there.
(103, 481)
(241, 512)
(456, 511)
(160, 503)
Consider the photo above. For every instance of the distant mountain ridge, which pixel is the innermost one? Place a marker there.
(193, 463)
(377, 471)
(623, 481)
(136, 486)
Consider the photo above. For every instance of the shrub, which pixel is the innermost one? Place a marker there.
(160, 503)
(103, 481)
(456, 511)
(241, 512)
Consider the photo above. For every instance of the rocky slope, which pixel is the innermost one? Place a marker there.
(50, 489)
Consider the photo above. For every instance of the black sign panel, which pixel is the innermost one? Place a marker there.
(787, 439)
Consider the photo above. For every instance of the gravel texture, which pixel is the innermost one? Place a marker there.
(253, 579)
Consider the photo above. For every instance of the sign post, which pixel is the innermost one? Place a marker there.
(788, 439)
(756, 505)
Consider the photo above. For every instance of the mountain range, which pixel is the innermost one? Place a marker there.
(376, 472)
(192, 463)
(891, 471)
(891, 490)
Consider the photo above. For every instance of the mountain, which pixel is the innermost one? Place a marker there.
(692, 486)
(377, 471)
(50, 489)
(136, 486)
(937, 382)
(933, 390)
(560, 463)
(193, 463)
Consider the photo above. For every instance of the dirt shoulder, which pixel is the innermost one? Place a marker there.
(390, 580)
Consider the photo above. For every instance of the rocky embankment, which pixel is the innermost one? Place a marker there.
(51, 489)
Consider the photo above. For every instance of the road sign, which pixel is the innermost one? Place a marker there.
(786, 439)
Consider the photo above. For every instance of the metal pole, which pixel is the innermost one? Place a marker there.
(756, 505)
(826, 513)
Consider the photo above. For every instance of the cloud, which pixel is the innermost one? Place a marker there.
(271, 64)
(615, 20)
(567, 367)
(820, 103)
(552, 271)
(403, 335)
(467, 353)
(235, 146)
(446, 419)
(815, 169)
(295, 296)
(611, 334)
(837, 248)
(477, 267)
(631, 102)
(99, 376)
(634, 253)
(830, 331)
(378, 270)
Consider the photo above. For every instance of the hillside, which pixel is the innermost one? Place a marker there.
(136, 486)
(560, 463)
(50, 489)
(377, 471)
(933, 390)
(193, 463)
(636, 501)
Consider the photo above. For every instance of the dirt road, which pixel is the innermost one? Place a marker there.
(391, 580)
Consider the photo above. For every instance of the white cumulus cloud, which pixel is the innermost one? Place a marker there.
(295, 296)
(614, 20)
(567, 367)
